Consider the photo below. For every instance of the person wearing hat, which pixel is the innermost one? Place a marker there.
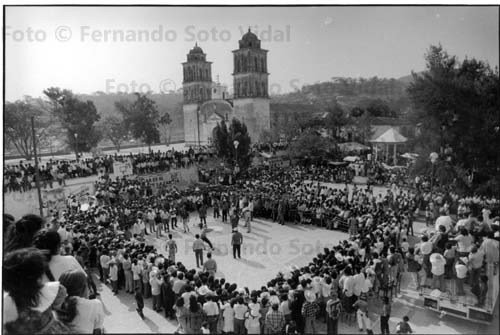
(364, 321)
(333, 309)
(309, 310)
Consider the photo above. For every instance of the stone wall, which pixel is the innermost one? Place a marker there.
(190, 124)
(255, 113)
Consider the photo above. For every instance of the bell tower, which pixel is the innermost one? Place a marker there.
(250, 84)
(197, 89)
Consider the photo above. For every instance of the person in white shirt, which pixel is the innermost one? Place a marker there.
(211, 310)
(156, 281)
(425, 249)
(461, 270)
(142, 227)
(444, 220)
(405, 245)
(228, 316)
(51, 241)
(136, 273)
(285, 308)
(240, 310)
(104, 262)
(63, 234)
(135, 229)
(359, 282)
(486, 212)
(88, 315)
(151, 221)
(438, 262)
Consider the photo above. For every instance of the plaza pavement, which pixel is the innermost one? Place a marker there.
(270, 248)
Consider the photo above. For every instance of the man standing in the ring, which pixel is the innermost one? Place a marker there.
(236, 242)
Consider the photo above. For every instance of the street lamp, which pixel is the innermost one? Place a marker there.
(236, 143)
(433, 157)
(76, 145)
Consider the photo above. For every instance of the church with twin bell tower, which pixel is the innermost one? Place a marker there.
(207, 103)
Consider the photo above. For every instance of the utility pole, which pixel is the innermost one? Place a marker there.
(198, 124)
(37, 173)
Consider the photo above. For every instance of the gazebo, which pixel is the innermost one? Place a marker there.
(390, 136)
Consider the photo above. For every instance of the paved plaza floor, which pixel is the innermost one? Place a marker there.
(270, 248)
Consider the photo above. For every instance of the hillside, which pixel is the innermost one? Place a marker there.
(352, 92)
(170, 103)
(348, 92)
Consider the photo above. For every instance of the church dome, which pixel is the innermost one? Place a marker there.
(249, 40)
(196, 50)
(249, 36)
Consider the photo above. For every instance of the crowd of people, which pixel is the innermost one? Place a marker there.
(21, 177)
(58, 259)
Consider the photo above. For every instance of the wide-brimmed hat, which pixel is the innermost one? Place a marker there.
(203, 290)
(310, 295)
(254, 312)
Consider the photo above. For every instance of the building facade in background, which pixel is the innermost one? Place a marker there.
(207, 103)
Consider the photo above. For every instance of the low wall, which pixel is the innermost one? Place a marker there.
(19, 204)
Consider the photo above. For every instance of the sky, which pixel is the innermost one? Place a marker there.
(136, 49)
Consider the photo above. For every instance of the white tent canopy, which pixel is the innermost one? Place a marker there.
(351, 158)
(353, 146)
(409, 155)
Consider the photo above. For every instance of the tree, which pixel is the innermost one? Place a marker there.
(141, 117)
(17, 126)
(378, 107)
(113, 128)
(164, 125)
(363, 130)
(224, 142)
(336, 119)
(457, 107)
(238, 132)
(220, 136)
(77, 117)
(298, 121)
(310, 143)
(268, 137)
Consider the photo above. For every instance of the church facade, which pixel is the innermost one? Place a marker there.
(207, 103)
